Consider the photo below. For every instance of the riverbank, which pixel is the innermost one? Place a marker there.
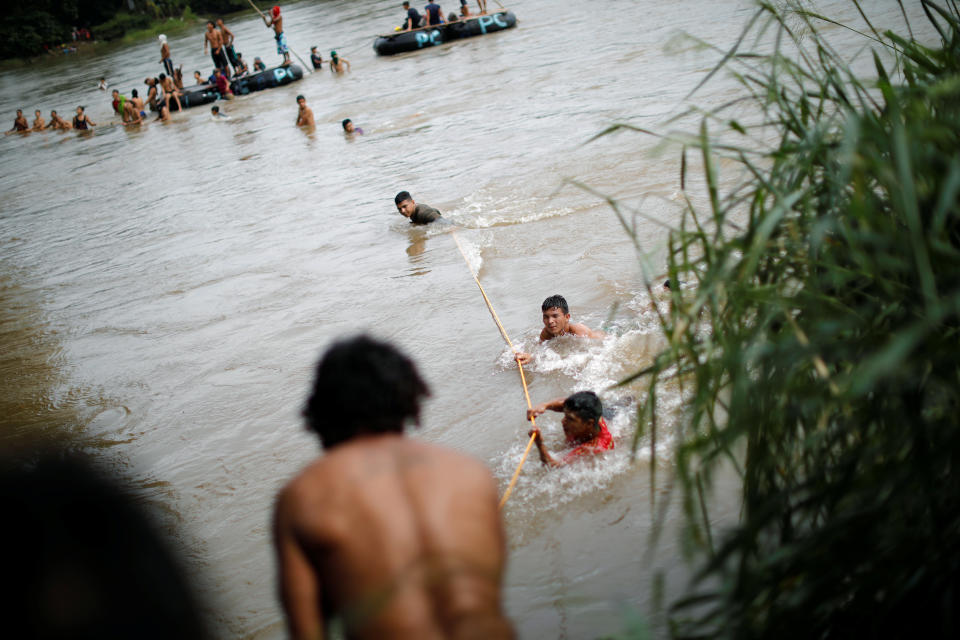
(81, 49)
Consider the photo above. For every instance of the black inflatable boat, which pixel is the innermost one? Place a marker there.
(266, 79)
(401, 41)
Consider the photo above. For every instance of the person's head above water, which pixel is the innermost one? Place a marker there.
(347, 125)
(556, 315)
(405, 204)
(214, 110)
(301, 100)
(363, 386)
(581, 416)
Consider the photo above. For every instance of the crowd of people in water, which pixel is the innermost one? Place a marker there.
(417, 548)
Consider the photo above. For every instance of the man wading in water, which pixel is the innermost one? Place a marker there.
(556, 323)
(583, 425)
(397, 538)
(276, 21)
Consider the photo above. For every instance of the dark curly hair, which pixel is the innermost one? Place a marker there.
(363, 385)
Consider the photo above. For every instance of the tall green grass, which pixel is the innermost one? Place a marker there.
(817, 339)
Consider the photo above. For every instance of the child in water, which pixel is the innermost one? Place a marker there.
(348, 127)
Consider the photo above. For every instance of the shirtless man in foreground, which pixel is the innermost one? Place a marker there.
(397, 538)
(556, 323)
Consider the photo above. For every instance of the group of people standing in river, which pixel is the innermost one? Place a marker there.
(80, 122)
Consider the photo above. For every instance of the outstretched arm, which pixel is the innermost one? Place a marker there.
(551, 405)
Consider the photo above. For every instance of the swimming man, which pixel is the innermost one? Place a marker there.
(418, 213)
(583, 425)
(304, 113)
(396, 538)
(349, 128)
(556, 323)
(276, 21)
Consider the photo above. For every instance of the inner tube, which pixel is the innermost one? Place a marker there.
(194, 96)
(266, 79)
(416, 39)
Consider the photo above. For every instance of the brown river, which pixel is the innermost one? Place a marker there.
(166, 289)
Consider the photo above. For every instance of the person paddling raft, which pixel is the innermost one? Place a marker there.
(275, 21)
(583, 426)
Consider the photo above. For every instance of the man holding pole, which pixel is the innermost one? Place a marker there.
(395, 537)
(583, 425)
(276, 21)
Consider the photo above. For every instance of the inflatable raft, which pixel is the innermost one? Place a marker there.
(197, 95)
(415, 39)
(267, 79)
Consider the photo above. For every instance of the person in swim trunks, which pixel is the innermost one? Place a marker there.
(394, 537)
(137, 102)
(214, 39)
(418, 213)
(556, 323)
(583, 425)
(276, 22)
(38, 122)
(81, 122)
(227, 36)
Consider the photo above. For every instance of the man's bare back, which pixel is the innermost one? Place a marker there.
(396, 538)
(389, 528)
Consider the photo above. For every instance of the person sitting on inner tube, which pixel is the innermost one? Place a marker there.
(413, 19)
(434, 14)
(418, 213)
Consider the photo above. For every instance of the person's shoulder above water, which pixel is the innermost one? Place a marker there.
(417, 213)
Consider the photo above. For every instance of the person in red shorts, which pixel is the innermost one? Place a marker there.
(582, 423)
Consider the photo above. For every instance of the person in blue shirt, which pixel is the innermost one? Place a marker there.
(413, 17)
(434, 14)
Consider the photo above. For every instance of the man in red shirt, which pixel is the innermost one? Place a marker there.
(582, 423)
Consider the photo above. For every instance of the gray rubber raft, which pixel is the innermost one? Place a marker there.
(416, 39)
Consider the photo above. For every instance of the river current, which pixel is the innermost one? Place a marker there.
(168, 288)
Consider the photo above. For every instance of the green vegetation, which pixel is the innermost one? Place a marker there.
(26, 29)
(817, 339)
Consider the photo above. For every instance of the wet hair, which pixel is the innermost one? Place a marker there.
(214, 109)
(300, 97)
(81, 107)
(402, 197)
(555, 301)
(363, 386)
(345, 122)
(133, 92)
(406, 4)
(586, 405)
(162, 77)
(211, 22)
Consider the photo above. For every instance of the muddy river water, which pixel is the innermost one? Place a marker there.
(168, 288)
